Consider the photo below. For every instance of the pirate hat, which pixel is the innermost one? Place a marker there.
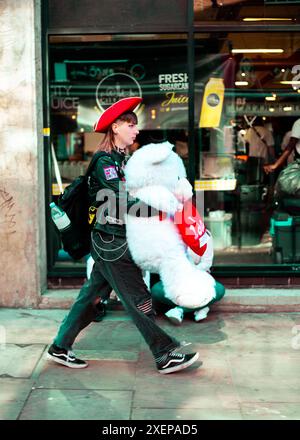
(114, 111)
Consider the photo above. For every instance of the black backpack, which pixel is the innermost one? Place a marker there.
(75, 201)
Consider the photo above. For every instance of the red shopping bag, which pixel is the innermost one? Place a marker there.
(191, 227)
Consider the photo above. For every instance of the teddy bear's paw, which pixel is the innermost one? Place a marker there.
(183, 190)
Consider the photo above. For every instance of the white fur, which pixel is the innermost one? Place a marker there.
(156, 175)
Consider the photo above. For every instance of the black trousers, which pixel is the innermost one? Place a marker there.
(114, 268)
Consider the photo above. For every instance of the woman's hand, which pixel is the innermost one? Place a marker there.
(269, 168)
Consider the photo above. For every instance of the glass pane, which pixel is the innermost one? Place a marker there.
(247, 94)
(248, 11)
(89, 73)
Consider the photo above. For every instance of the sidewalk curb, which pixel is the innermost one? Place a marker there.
(236, 300)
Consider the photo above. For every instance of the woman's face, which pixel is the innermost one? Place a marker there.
(124, 133)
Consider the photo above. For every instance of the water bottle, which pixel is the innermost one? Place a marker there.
(59, 217)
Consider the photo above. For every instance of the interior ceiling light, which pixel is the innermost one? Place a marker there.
(241, 83)
(293, 83)
(257, 50)
(267, 19)
(270, 98)
(287, 109)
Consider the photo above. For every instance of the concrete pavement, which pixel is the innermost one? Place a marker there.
(249, 371)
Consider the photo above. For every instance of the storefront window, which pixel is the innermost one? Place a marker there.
(247, 97)
(249, 12)
(88, 74)
(247, 94)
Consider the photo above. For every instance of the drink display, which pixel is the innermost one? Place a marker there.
(212, 103)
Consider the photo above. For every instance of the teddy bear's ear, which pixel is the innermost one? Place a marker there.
(159, 152)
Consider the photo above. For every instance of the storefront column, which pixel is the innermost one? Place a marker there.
(22, 218)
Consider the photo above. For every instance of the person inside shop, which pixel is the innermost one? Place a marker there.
(78, 148)
(114, 267)
(293, 145)
(260, 141)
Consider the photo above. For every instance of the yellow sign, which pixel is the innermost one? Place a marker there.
(56, 190)
(215, 185)
(212, 103)
(46, 131)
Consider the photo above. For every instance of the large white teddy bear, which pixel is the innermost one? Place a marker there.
(156, 175)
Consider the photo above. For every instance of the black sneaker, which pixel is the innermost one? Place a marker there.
(173, 361)
(65, 357)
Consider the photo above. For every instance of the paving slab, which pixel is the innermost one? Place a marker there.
(19, 360)
(259, 319)
(100, 375)
(13, 394)
(259, 332)
(29, 325)
(266, 377)
(77, 405)
(108, 355)
(201, 386)
(207, 332)
(270, 411)
(110, 335)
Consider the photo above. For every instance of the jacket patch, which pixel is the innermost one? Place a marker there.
(110, 173)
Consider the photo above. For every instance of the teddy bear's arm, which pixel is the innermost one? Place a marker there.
(183, 190)
(160, 198)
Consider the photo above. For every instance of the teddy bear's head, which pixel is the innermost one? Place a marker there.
(154, 164)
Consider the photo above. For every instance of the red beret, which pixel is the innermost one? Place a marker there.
(114, 111)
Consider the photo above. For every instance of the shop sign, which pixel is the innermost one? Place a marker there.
(114, 87)
(263, 109)
(61, 98)
(173, 81)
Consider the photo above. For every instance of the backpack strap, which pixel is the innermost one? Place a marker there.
(93, 205)
(260, 136)
(94, 160)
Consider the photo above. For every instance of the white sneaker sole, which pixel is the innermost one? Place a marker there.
(181, 366)
(65, 363)
(202, 314)
(174, 320)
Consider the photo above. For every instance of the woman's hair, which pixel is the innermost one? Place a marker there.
(108, 143)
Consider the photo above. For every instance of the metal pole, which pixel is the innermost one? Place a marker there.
(191, 76)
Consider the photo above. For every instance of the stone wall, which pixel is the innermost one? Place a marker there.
(22, 218)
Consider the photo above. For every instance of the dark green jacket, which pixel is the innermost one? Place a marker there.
(107, 185)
